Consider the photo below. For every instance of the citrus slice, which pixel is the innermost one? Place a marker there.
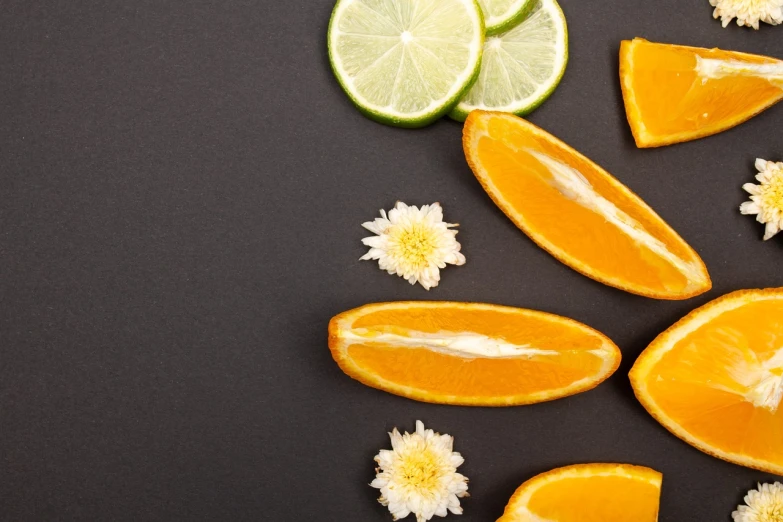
(404, 62)
(522, 67)
(588, 493)
(675, 93)
(501, 15)
(715, 378)
(470, 354)
(577, 211)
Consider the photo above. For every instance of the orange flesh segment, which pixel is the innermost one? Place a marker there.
(715, 379)
(671, 102)
(478, 377)
(717, 367)
(508, 154)
(473, 354)
(588, 493)
(597, 499)
(513, 325)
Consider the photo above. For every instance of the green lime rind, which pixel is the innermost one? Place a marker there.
(528, 105)
(512, 21)
(396, 119)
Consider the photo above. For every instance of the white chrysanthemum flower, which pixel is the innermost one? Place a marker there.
(419, 475)
(748, 12)
(766, 200)
(413, 243)
(764, 504)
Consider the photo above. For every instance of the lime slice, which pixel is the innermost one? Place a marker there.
(406, 62)
(520, 67)
(502, 15)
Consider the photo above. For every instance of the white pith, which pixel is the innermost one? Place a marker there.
(760, 381)
(459, 344)
(767, 388)
(392, 51)
(715, 69)
(523, 514)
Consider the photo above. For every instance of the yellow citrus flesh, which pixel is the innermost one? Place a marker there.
(588, 493)
(715, 378)
(469, 353)
(577, 211)
(675, 93)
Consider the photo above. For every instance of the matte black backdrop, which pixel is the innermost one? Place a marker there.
(182, 185)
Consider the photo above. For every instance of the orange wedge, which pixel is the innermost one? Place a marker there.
(470, 354)
(588, 493)
(577, 211)
(715, 379)
(675, 93)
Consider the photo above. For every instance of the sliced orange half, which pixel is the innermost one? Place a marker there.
(675, 93)
(577, 211)
(715, 378)
(588, 493)
(470, 354)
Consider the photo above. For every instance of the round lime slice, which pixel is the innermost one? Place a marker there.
(406, 62)
(502, 15)
(521, 67)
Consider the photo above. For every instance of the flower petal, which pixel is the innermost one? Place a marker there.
(749, 207)
(413, 243)
(751, 188)
(411, 492)
(772, 228)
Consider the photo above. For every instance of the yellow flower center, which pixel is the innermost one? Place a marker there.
(771, 513)
(415, 244)
(772, 192)
(419, 470)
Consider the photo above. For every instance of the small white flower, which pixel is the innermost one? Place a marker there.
(764, 504)
(419, 475)
(748, 12)
(413, 243)
(766, 200)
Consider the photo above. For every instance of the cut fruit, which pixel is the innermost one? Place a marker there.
(715, 378)
(501, 15)
(404, 62)
(588, 493)
(675, 93)
(577, 211)
(470, 354)
(520, 68)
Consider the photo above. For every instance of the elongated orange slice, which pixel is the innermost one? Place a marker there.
(675, 93)
(577, 211)
(468, 353)
(588, 493)
(715, 378)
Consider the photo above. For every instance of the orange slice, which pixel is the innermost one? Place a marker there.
(588, 493)
(470, 354)
(675, 93)
(577, 211)
(715, 378)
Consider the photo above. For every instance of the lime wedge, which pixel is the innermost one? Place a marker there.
(406, 62)
(521, 67)
(502, 15)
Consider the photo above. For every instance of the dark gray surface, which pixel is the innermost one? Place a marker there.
(182, 187)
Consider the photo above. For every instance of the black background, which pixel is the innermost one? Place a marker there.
(182, 185)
